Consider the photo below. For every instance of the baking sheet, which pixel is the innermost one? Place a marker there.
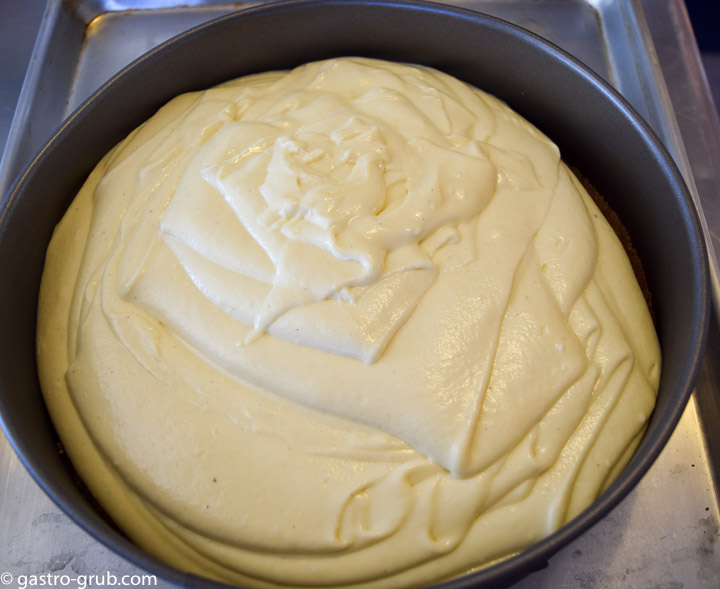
(665, 533)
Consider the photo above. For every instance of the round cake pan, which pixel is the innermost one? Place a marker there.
(596, 130)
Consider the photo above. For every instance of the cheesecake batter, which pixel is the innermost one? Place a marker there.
(350, 325)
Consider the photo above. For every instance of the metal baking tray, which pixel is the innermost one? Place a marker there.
(665, 533)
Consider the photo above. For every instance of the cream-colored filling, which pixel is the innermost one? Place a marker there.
(356, 324)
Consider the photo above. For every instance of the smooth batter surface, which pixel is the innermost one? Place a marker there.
(355, 324)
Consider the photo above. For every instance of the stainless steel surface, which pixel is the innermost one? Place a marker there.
(665, 534)
(23, 19)
(698, 125)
